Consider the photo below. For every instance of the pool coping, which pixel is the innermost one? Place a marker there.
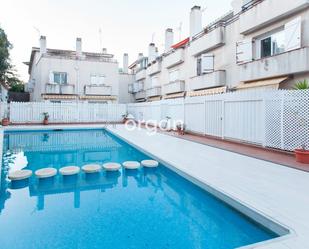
(285, 232)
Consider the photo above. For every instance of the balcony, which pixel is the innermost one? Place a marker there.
(174, 58)
(264, 13)
(209, 80)
(174, 87)
(208, 41)
(98, 90)
(140, 95)
(154, 68)
(154, 91)
(54, 88)
(136, 87)
(292, 62)
(140, 75)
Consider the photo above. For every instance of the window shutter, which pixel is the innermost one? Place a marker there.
(93, 79)
(292, 31)
(51, 77)
(244, 51)
(207, 63)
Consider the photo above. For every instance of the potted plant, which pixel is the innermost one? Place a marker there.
(302, 155)
(180, 127)
(5, 120)
(46, 117)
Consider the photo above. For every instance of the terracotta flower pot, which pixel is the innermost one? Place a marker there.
(5, 122)
(45, 121)
(302, 156)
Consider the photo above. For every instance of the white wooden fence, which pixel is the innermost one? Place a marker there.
(32, 112)
(278, 119)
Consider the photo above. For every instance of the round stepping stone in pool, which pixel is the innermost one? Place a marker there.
(111, 166)
(150, 163)
(20, 174)
(46, 172)
(131, 165)
(69, 170)
(91, 168)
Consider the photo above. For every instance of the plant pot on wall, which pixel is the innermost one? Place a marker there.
(302, 156)
(45, 121)
(5, 122)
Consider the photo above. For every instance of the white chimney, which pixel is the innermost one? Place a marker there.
(195, 20)
(79, 47)
(169, 39)
(151, 52)
(43, 44)
(125, 63)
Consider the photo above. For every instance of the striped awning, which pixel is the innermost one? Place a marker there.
(156, 98)
(270, 83)
(205, 92)
(174, 95)
(58, 96)
(98, 97)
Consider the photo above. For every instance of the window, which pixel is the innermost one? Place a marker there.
(174, 75)
(60, 78)
(271, 44)
(155, 81)
(204, 64)
(199, 66)
(97, 79)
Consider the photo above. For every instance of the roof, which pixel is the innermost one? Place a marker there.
(70, 54)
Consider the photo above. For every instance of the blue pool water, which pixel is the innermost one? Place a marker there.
(147, 208)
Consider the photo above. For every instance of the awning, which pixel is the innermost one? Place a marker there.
(156, 98)
(58, 96)
(205, 92)
(98, 97)
(181, 43)
(269, 83)
(174, 95)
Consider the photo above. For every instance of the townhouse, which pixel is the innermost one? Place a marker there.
(74, 75)
(256, 45)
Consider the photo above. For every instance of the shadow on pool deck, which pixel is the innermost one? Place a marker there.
(284, 158)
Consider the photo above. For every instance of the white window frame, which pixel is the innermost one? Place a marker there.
(63, 75)
(95, 79)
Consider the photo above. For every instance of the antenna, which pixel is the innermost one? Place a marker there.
(100, 39)
(153, 37)
(37, 30)
(180, 29)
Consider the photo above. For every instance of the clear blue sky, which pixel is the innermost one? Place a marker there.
(127, 25)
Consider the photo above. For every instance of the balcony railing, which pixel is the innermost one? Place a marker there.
(98, 90)
(140, 95)
(136, 87)
(54, 88)
(154, 68)
(209, 80)
(174, 58)
(258, 14)
(292, 62)
(154, 91)
(140, 75)
(208, 41)
(174, 87)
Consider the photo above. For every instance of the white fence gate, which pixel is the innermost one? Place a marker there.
(278, 119)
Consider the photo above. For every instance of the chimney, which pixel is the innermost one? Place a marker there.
(195, 20)
(125, 63)
(43, 44)
(169, 39)
(104, 50)
(151, 52)
(79, 47)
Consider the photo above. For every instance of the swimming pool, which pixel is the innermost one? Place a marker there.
(147, 208)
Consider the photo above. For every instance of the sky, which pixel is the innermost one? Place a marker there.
(127, 26)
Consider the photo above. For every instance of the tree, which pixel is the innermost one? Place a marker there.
(7, 71)
(302, 85)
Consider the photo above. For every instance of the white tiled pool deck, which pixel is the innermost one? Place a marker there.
(279, 193)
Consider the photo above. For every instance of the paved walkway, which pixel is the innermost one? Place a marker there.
(278, 193)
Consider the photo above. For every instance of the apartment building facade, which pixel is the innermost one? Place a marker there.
(66, 75)
(256, 45)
